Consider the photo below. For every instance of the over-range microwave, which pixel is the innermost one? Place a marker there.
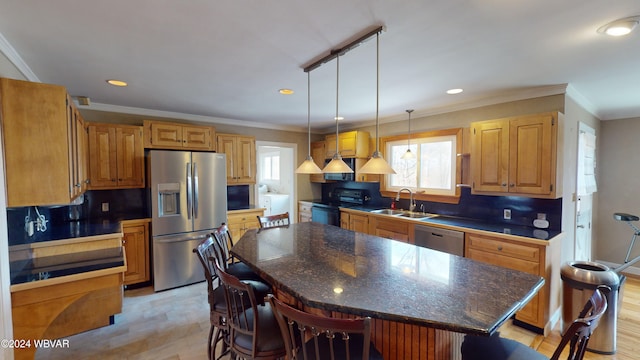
(342, 176)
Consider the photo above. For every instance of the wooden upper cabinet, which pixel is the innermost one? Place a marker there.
(43, 144)
(240, 152)
(167, 135)
(79, 150)
(517, 156)
(116, 156)
(352, 144)
(318, 153)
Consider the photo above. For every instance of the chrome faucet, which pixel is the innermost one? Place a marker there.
(412, 205)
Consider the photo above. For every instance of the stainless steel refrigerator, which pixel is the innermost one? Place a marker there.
(188, 200)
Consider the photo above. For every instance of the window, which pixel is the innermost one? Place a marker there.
(433, 173)
(271, 167)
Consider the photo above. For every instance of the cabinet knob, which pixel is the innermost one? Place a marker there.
(124, 242)
(500, 248)
(512, 185)
(504, 184)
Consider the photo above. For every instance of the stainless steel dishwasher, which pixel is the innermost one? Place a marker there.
(449, 241)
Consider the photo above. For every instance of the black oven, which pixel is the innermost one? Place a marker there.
(328, 211)
(325, 214)
(342, 176)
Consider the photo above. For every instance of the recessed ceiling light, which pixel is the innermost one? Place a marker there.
(117, 82)
(620, 27)
(454, 91)
(285, 91)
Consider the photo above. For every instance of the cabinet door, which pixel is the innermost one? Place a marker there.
(197, 137)
(102, 152)
(318, 152)
(530, 161)
(246, 160)
(330, 146)
(130, 157)
(239, 223)
(167, 135)
(136, 244)
(359, 223)
(82, 138)
(490, 155)
(513, 256)
(226, 144)
(344, 220)
(35, 125)
(348, 145)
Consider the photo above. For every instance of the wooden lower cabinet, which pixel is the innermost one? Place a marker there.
(354, 222)
(392, 228)
(135, 241)
(304, 211)
(535, 258)
(58, 307)
(239, 221)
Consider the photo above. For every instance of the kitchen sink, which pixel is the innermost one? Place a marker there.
(388, 212)
(404, 213)
(417, 215)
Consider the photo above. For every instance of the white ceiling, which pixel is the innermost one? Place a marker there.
(227, 59)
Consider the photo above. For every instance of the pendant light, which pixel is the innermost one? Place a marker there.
(337, 165)
(308, 166)
(409, 155)
(377, 164)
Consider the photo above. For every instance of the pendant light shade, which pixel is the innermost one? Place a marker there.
(409, 155)
(337, 165)
(308, 166)
(377, 164)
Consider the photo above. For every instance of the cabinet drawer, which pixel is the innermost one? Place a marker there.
(304, 207)
(392, 235)
(503, 247)
(396, 226)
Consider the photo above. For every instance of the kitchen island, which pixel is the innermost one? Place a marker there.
(420, 299)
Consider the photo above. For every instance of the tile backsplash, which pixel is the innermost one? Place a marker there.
(481, 207)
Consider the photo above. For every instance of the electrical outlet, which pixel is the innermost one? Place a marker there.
(105, 207)
(507, 214)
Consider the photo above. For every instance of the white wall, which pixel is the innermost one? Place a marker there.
(618, 189)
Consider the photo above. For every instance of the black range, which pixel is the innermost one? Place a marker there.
(327, 211)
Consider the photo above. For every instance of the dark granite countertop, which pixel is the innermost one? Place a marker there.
(508, 229)
(335, 269)
(70, 230)
(27, 270)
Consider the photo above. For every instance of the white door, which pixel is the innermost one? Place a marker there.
(586, 186)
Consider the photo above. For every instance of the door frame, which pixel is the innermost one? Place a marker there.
(582, 128)
(293, 147)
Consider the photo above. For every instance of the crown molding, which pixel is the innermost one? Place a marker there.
(13, 56)
(175, 115)
(500, 97)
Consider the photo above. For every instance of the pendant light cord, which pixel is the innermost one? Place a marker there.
(377, 85)
(337, 89)
(409, 133)
(308, 114)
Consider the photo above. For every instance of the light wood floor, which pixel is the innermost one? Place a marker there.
(174, 324)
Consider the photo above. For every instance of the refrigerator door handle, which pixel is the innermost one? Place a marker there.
(195, 190)
(189, 192)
